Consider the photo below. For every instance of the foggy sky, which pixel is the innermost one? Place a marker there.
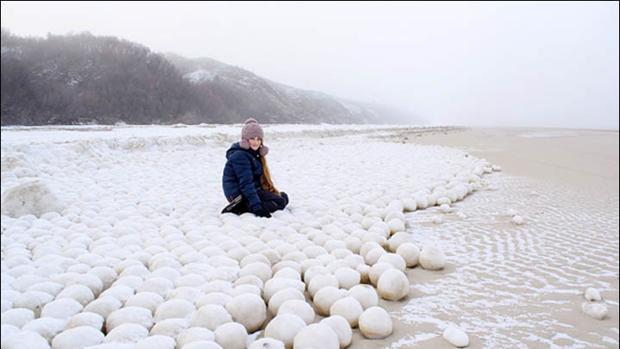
(478, 64)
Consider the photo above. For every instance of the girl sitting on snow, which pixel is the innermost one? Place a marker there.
(246, 180)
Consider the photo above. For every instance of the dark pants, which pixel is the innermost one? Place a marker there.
(271, 201)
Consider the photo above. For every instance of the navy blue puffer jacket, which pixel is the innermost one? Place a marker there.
(242, 174)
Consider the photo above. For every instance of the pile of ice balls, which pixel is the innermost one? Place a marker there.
(126, 279)
(68, 285)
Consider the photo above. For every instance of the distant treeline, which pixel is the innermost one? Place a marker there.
(81, 79)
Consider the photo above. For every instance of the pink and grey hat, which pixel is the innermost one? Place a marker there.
(252, 129)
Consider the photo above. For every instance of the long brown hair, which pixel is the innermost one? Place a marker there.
(265, 179)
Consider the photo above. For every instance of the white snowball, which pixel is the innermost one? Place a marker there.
(354, 260)
(104, 306)
(10, 330)
(284, 327)
(188, 293)
(365, 294)
(210, 316)
(287, 264)
(194, 334)
(393, 285)
(316, 336)
(274, 285)
(410, 205)
(156, 342)
(410, 253)
(93, 320)
(255, 257)
(107, 275)
(244, 289)
(231, 335)
(148, 300)
(394, 259)
(78, 337)
(592, 294)
(159, 285)
(248, 310)
(189, 280)
(377, 270)
(595, 310)
(380, 228)
(299, 308)
(49, 287)
(375, 323)
(367, 246)
(373, 255)
(456, 336)
(32, 197)
(258, 269)
(47, 327)
(267, 343)
(372, 236)
(120, 292)
(341, 328)
(217, 286)
(437, 219)
(326, 259)
(364, 270)
(7, 304)
(288, 273)
(217, 298)
(134, 315)
(325, 297)
(314, 271)
(22, 283)
(61, 308)
(518, 220)
(126, 333)
(283, 296)
(353, 244)
(445, 207)
(398, 239)
(17, 317)
(349, 308)
(33, 300)
(395, 215)
(249, 280)
(174, 309)
(444, 202)
(80, 293)
(432, 258)
(347, 277)
(169, 327)
(320, 281)
(396, 225)
(23, 340)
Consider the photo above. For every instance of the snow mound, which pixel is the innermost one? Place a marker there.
(31, 197)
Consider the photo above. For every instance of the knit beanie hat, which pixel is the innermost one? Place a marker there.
(252, 129)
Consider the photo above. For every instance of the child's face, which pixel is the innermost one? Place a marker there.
(255, 143)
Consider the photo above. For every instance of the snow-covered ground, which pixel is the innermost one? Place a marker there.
(136, 225)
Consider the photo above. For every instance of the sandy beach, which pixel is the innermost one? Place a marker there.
(127, 206)
(521, 286)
